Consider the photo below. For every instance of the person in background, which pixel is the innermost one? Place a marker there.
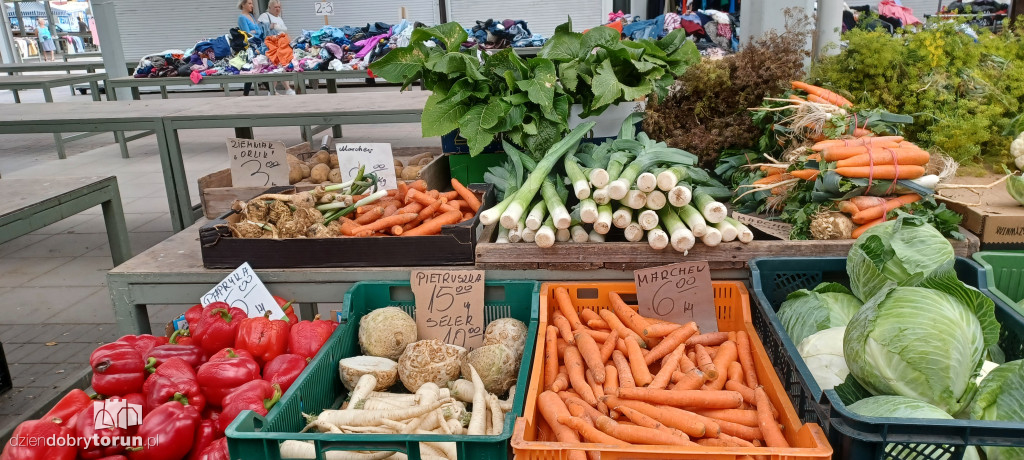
(82, 26)
(45, 39)
(247, 23)
(271, 19)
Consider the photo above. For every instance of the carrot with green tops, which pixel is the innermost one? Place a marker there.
(822, 93)
(725, 355)
(466, 194)
(625, 374)
(550, 355)
(384, 222)
(772, 435)
(887, 157)
(847, 207)
(819, 100)
(609, 346)
(882, 172)
(843, 153)
(591, 354)
(746, 358)
(638, 434)
(671, 342)
(862, 132)
(774, 179)
(692, 424)
(577, 379)
(697, 399)
(857, 232)
(878, 212)
(805, 174)
(637, 364)
(551, 408)
(866, 201)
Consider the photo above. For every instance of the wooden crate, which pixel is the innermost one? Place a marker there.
(216, 193)
(632, 256)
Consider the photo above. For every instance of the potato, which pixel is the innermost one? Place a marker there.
(334, 160)
(425, 161)
(294, 173)
(319, 173)
(305, 170)
(322, 157)
(292, 159)
(411, 172)
(415, 160)
(334, 176)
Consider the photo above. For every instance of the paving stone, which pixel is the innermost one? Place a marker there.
(18, 400)
(27, 375)
(62, 245)
(28, 305)
(80, 271)
(25, 333)
(16, 272)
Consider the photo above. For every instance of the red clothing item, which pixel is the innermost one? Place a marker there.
(889, 8)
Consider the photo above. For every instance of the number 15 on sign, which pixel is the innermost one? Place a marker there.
(323, 8)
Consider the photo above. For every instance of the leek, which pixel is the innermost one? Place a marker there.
(729, 232)
(529, 236)
(646, 160)
(545, 237)
(563, 235)
(743, 233)
(502, 235)
(580, 185)
(535, 218)
(713, 237)
(656, 200)
(595, 236)
(622, 217)
(555, 203)
(648, 219)
(601, 196)
(635, 199)
(579, 234)
(588, 211)
(646, 182)
(712, 210)
(658, 239)
(604, 219)
(692, 218)
(679, 195)
(633, 232)
(680, 237)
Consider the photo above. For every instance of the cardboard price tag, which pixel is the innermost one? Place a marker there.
(780, 230)
(450, 306)
(323, 8)
(256, 163)
(679, 293)
(243, 289)
(376, 157)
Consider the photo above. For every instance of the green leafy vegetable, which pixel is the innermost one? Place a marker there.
(1001, 397)
(806, 312)
(902, 407)
(823, 354)
(905, 250)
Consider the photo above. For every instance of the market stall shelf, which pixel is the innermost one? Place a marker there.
(630, 256)
(46, 83)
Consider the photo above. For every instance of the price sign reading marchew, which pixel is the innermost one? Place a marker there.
(679, 293)
(257, 163)
(450, 306)
(243, 289)
(780, 230)
(376, 157)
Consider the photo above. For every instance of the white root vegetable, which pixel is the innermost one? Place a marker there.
(462, 390)
(658, 239)
(384, 404)
(455, 427)
(563, 235)
(322, 427)
(579, 234)
(679, 196)
(529, 236)
(656, 200)
(635, 199)
(622, 217)
(646, 182)
(429, 393)
(601, 196)
(363, 387)
(478, 422)
(361, 417)
(394, 396)
(497, 415)
(438, 421)
(366, 429)
(648, 219)
(713, 237)
(729, 232)
(633, 232)
(588, 211)
(596, 236)
(446, 449)
(304, 450)
(598, 177)
(506, 404)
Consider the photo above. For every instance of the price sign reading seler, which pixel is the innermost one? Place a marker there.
(679, 293)
(450, 306)
(243, 289)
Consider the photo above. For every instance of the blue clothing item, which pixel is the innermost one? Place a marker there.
(221, 47)
(650, 28)
(44, 32)
(248, 25)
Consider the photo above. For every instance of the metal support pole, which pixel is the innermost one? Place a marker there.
(8, 55)
(829, 26)
(105, 13)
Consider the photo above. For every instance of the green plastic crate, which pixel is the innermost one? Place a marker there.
(319, 387)
(470, 169)
(1005, 275)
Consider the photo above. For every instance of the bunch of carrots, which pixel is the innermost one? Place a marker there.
(412, 210)
(615, 377)
(882, 157)
(868, 211)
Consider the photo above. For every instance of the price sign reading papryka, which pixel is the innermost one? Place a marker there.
(679, 293)
(243, 289)
(450, 306)
(376, 158)
(780, 230)
(256, 163)
(323, 8)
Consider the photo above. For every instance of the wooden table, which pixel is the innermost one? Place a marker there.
(32, 204)
(172, 273)
(223, 80)
(46, 83)
(243, 114)
(68, 67)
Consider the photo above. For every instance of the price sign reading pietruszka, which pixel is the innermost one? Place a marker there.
(679, 293)
(450, 306)
(257, 163)
(376, 158)
(243, 289)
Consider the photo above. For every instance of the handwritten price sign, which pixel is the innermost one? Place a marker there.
(450, 306)
(780, 230)
(377, 158)
(243, 289)
(257, 163)
(679, 293)
(323, 8)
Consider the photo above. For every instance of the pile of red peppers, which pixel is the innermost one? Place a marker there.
(190, 387)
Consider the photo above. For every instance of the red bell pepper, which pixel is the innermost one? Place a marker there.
(68, 406)
(144, 342)
(167, 433)
(258, 396)
(115, 457)
(284, 369)
(193, 355)
(213, 414)
(29, 442)
(85, 428)
(206, 433)
(308, 336)
(231, 353)
(182, 337)
(265, 338)
(289, 309)
(218, 450)
(172, 380)
(118, 369)
(219, 378)
(218, 327)
(193, 315)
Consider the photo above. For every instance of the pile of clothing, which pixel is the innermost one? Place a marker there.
(977, 7)
(491, 34)
(708, 28)
(891, 17)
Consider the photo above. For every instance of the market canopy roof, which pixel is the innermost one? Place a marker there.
(37, 10)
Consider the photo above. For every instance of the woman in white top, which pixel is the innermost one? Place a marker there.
(272, 20)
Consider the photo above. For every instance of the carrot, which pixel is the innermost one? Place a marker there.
(691, 380)
(814, 156)
(709, 339)
(550, 355)
(857, 232)
(574, 368)
(598, 324)
(795, 98)
(861, 132)
(822, 93)
(411, 207)
(630, 318)
(726, 354)
(637, 364)
(466, 194)
(882, 172)
(587, 315)
(872, 141)
(433, 226)
(745, 391)
(685, 421)
(671, 342)
(591, 354)
(609, 346)
(390, 210)
(735, 372)
(887, 157)
(703, 399)
(640, 419)
(622, 369)
(616, 325)
(819, 100)
(421, 197)
(877, 212)
(551, 408)
(638, 434)
(385, 222)
(773, 179)
(561, 381)
(805, 174)
(589, 433)
(769, 427)
(865, 201)
(598, 390)
(705, 364)
(578, 407)
(467, 216)
(746, 358)
(746, 417)
(656, 330)
(741, 431)
(847, 207)
(685, 364)
(611, 378)
(565, 306)
(564, 329)
(664, 376)
(544, 433)
(370, 215)
(842, 153)
(347, 226)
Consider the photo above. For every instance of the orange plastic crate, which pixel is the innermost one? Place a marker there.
(732, 305)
